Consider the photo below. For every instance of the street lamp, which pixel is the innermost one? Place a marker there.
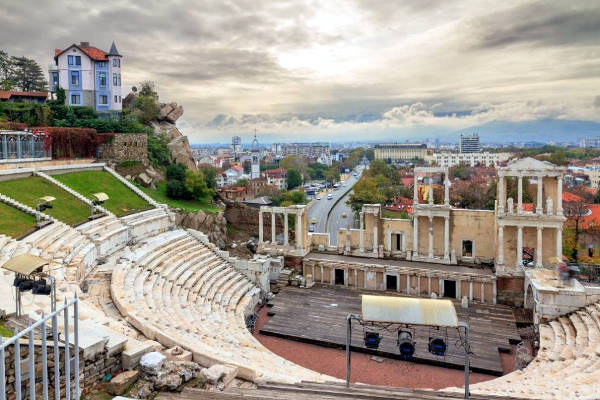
(42, 204)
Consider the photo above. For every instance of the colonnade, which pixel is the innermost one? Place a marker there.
(286, 212)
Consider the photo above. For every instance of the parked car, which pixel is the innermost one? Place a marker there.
(329, 196)
(311, 228)
(318, 198)
(344, 215)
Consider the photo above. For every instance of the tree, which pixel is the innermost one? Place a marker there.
(27, 75)
(210, 176)
(146, 109)
(370, 154)
(295, 162)
(242, 182)
(247, 166)
(158, 152)
(5, 71)
(460, 171)
(365, 192)
(333, 173)
(575, 211)
(147, 89)
(293, 179)
(196, 185)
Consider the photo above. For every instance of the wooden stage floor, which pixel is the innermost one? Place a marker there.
(318, 316)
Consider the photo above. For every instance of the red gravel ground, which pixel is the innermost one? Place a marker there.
(389, 373)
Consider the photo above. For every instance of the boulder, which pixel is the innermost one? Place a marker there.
(152, 362)
(145, 390)
(174, 115)
(181, 152)
(164, 111)
(173, 133)
(121, 382)
(144, 179)
(219, 373)
(168, 382)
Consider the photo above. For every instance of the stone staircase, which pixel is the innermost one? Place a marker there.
(22, 207)
(178, 291)
(134, 188)
(71, 191)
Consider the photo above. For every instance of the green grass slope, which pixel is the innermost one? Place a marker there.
(13, 222)
(122, 200)
(160, 195)
(67, 208)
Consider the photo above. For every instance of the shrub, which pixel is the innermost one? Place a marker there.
(158, 152)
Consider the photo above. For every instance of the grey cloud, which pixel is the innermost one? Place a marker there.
(544, 23)
(597, 102)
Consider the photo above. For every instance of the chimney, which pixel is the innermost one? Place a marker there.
(84, 44)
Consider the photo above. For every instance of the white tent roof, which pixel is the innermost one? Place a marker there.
(409, 310)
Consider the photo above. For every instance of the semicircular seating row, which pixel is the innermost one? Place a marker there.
(567, 365)
(178, 291)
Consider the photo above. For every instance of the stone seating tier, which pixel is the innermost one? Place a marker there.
(567, 365)
(179, 291)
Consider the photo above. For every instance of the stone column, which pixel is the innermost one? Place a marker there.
(494, 292)
(483, 292)
(362, 233)
(447, 238)
(429, 286)
(559, 243)
(501, 200)
(299, 230)
(415, 235)
(559, 182)
(520, 196)
(260, 227)
(375, 241)
(322, 272)
(430, 253)
(470, 290)
(430, 191)
(407, 283)
(538, 249)
(500, 245)
(418, 285)
(458, 288)
(273, 239)
(539, 208)
(355, 278)
(415, 190)
(519, 247)
(286, 240)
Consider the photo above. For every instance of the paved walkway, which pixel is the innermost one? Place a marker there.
(401, 263)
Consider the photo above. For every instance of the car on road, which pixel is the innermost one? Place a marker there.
(313, 220)
(329, 196)
(318, 198)
(344, 215)
(311, 228)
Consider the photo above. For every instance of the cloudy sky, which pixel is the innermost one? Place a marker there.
(336, 70)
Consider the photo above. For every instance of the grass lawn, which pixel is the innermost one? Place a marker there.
(395, 214)
(122, 200)
(160, 195)
(67, 208)
(13, 222)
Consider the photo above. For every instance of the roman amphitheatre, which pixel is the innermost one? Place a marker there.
(147, 285)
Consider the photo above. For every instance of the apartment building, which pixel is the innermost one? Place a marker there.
(448, 159)
(470, 143)
(400, 151)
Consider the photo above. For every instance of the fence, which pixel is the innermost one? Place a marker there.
(14, 344)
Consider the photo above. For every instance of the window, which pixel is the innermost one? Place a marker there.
(102, 64)
(116, 99)
(116, 62)
(77, 60)
(467, 248)
(103, 99)
(116, 79)
(70, 58)
(54, 78)
(119, 76)
(75, 99)
(74, 78)
(102, 78)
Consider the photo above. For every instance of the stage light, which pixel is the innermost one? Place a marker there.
(372, 340)
(41, 287)
(406, 346)
(437, 346)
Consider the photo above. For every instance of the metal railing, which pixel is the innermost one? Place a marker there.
(29, 333)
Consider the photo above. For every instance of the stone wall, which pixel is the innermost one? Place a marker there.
(213, 226)
(91, 370)
(245, 219)
(510, 290)
(126, 147)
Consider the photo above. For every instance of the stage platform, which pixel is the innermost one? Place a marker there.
(318, 316)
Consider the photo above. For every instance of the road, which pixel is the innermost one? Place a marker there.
(337, 221)
(320, 208)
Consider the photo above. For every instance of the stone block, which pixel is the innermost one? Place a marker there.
(152, 362)
(178, 354)
(133, 352)
(121, 382)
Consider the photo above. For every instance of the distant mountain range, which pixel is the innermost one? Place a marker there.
(546, 130)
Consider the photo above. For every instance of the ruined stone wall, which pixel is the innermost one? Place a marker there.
(510, 291)
(213, 226)
(126, 147)
(91, 370)
(245, 219)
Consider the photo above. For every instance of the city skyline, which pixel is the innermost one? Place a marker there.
(346, 70)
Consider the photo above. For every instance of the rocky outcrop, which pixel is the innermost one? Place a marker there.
(179, 146)
(181, 152)
(214, 226)
(170, 112)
